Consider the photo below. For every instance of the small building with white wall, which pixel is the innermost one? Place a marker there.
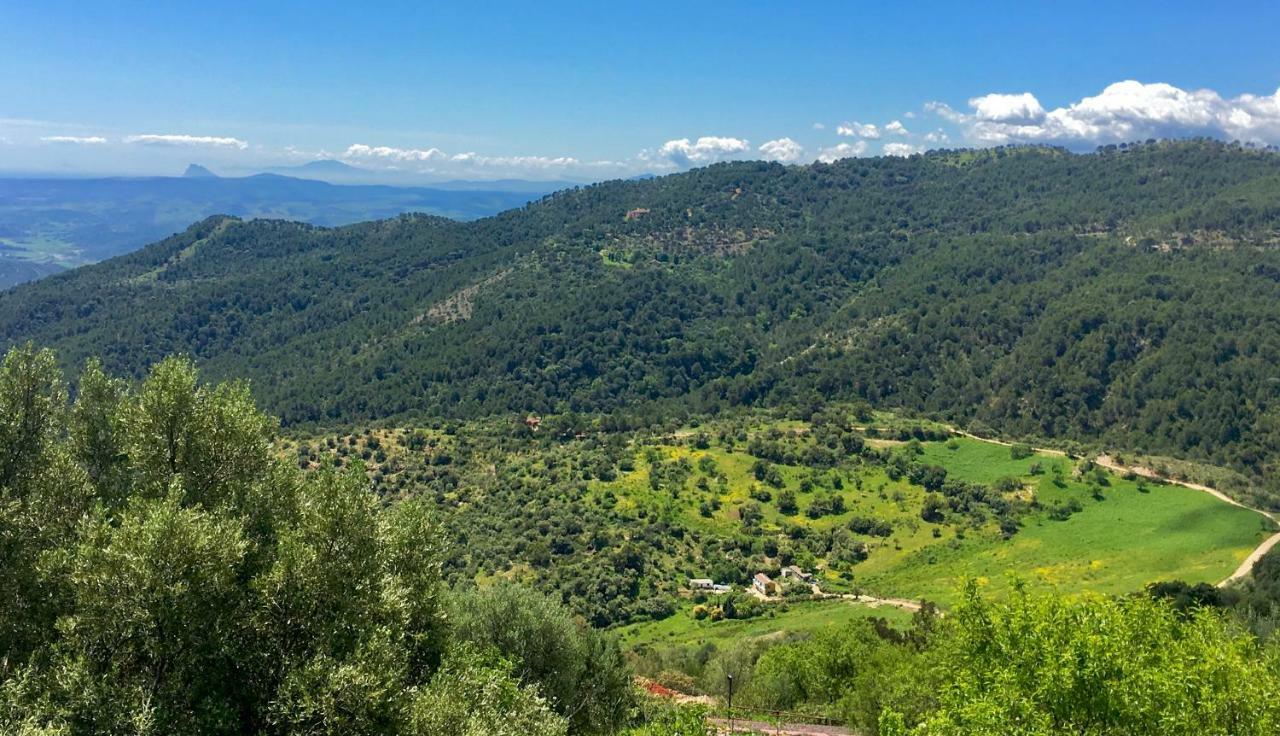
(763, 583)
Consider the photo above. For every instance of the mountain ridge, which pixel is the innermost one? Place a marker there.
(50, 224)
(1043, 293)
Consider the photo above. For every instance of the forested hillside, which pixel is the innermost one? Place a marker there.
(1124, 297)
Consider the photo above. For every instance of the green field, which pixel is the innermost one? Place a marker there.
(986, 462)
(1116, 545)
(1123, 535)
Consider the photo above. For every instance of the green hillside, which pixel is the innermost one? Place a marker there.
(615, 523)
(1122, 298)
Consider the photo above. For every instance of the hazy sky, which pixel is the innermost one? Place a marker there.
(594, 90)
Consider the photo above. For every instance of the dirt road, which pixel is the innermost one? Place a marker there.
(1246, 567)
(781, 729)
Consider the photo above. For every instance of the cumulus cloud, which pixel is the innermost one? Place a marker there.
(784, 150)
(707, 149)
(1023, 109)
(532, 162)
(901, 149)
(843, 150)
(434, 159)
(819, 126)
(897, 128)
(387, 153)
(186, 140)
(83, 140)
(858, 130)
(1124, 111)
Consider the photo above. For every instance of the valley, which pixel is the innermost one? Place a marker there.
(621, 369)
(1023, 290)
(853, 436)
(889, 507)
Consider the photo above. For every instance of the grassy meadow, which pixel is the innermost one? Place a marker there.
(1126, 533)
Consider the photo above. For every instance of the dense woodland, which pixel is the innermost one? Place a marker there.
(1121, 297)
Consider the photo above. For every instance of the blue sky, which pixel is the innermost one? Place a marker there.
(591, 90)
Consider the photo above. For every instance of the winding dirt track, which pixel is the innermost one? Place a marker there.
(1246, 567)
(777, 729)
(905, 604)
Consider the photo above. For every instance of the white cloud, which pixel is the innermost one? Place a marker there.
(707, 149)
(897, 128)
(434, 160)
(30, 123)
(532, 162)
(186, 140)
(937, 136)
(858, 130)
(819, 126)
(1124, 111)
(387, 153)
(1020, 109)
(783, 150)
(900, 149)
(843, 150)
(944, 111)
(84, 140)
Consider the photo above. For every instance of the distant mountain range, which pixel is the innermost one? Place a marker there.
(49, 224)
(338, 172)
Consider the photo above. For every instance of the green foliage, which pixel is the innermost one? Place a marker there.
(580, 672)
(1116, 297)
(665, 719)
(855, 673)
(154, 604)
(163, 571)
(787, 503)
(1031, 664)
(1039, 664)
(477, 695)
(578, 517)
